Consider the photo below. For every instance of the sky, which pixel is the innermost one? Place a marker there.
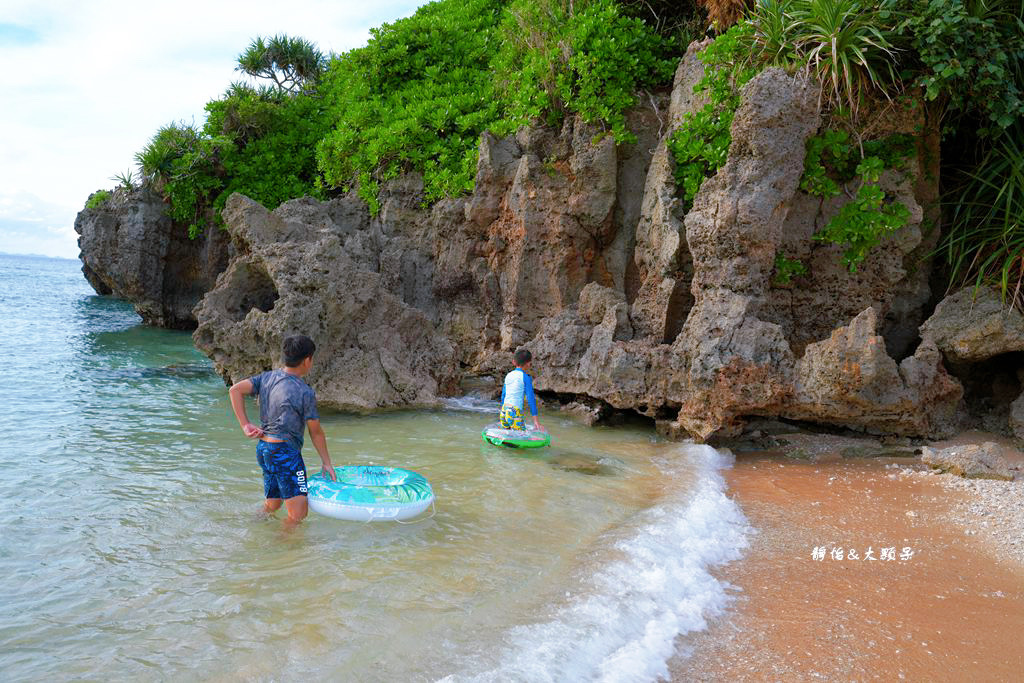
(85, 85)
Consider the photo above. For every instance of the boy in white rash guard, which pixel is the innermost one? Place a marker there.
(518, 385)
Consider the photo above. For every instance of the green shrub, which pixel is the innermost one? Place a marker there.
(786, 269)
(862, 223)
(421, 92)
(97, 199)
(700, 145)
(181, 163)
(265, 145)
(416, 98)
(846, 43)
(967, 56)
(257, 142)
(832, 160)
(159, 160)
(590, 59)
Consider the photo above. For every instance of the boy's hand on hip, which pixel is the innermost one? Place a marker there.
(252, 431)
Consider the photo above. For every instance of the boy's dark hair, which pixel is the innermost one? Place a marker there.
(296, 349)
(523, 356)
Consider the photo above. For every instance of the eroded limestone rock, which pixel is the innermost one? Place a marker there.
(1017, 417)
(974, 325)
(734, 356)
(850, 380)
(971, 461)
(578, 248)
(295, 274)
(739, 363)
(662, 256)
(131, 249)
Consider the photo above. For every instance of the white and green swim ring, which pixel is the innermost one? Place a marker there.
(367, 493)
(515, 438)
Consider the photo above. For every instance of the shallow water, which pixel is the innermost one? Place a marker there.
(131, 545)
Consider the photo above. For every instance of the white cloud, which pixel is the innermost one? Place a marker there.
(86, 84)
(32, 225)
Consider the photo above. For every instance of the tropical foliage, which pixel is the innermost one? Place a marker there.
(420, 93)
(701, 143)
(256, 141)
(984, 242)
(292, 64)
(966, 55)
(786, 269)
(845, 43)
(832, 161)
(416, 98)
(97, 199)
(588, 58)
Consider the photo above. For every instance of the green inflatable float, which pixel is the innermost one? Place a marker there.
(514, 438)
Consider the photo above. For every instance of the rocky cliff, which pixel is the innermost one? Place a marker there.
(131, 249)
(580, 250)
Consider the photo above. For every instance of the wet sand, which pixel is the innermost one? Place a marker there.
(954, 610)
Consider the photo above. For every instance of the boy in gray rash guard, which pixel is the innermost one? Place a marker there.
(287, 408)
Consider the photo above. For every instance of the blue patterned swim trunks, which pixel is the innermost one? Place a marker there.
(284, 472)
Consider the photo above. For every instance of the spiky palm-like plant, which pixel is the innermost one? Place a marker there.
(772, 35)
(157, 160)
(844, 46)
(291, 63)
(984, 243)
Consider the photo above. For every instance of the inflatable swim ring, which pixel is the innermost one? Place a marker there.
(365, 493)
(514, 438)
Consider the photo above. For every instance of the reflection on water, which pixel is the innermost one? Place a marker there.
(131, 547)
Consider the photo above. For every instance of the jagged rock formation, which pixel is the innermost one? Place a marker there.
(972, 461)
(581, 250)
(981, 338)
(131, 249)
(662, 256)
(736, 353)
(297, 272)
(1017, 417)
(973, 325)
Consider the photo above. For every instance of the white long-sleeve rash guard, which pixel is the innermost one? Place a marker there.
(517, 385)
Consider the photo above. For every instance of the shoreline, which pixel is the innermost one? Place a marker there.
(950, 608)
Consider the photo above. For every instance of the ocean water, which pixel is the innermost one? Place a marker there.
(131, 548)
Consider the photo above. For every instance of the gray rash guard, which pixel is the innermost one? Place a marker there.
(286, 402)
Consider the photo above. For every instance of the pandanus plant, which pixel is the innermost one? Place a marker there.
(984, 243)
(840, 40)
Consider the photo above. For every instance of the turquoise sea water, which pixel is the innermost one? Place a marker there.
(131, 549)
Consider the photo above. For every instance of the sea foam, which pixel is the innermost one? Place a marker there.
(623, 623)
(473, 403)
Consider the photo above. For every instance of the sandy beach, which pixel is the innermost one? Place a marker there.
(942, 599)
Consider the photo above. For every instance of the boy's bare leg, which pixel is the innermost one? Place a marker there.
(298, 508)
(272, 505)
